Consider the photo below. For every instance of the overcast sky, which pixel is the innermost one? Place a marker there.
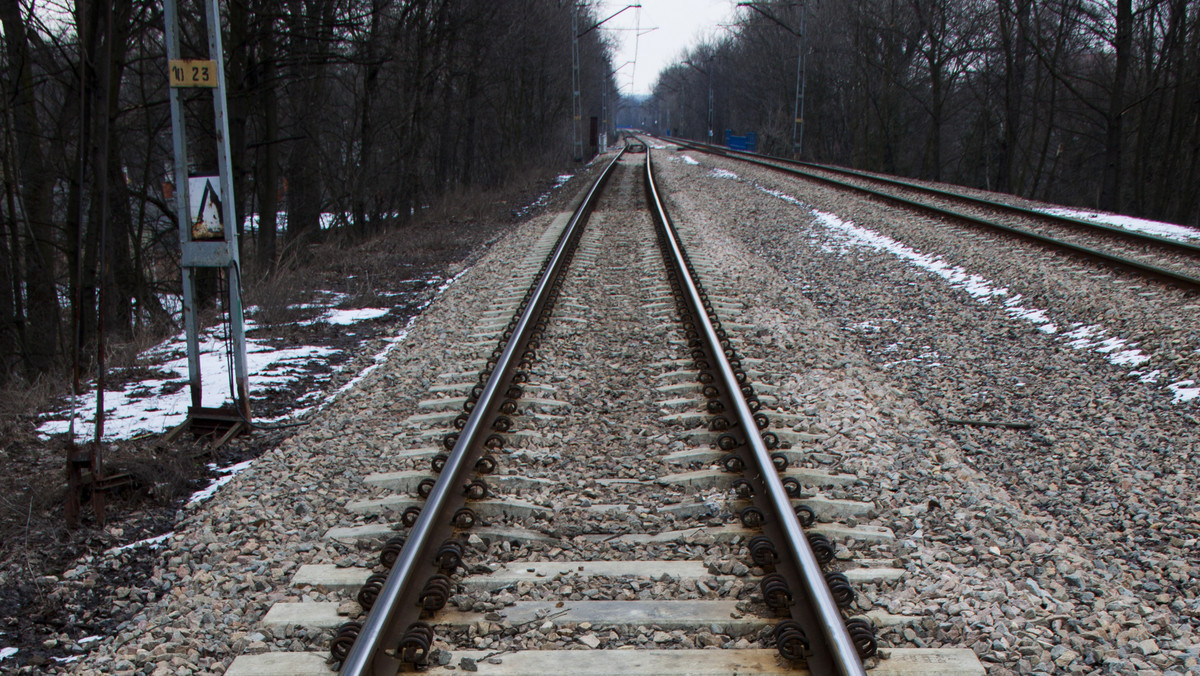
(680, 24)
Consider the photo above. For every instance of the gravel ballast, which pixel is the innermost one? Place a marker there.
(1068, 547)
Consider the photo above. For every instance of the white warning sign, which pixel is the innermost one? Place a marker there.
(204, 199)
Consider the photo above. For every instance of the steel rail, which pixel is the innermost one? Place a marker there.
(843, 653)
(1155, 271)
(1026, 212)
(404, 572)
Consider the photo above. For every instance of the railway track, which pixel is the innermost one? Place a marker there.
(610, 483)
(1163, 259)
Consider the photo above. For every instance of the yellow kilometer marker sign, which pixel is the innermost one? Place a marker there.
(193, 73)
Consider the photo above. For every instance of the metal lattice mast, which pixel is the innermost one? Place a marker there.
(576, 104)
(798, 127)
(604, 116)
(196, 252)
(710, 104)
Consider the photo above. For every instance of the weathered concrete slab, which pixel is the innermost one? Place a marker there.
(407, 481)
(443, 404)
(729, 533)
(280, 664)
(384, 531)
(510, 507)
(750, 662)
(666, 614)
(333, 578)
(321, 615)
(703, 436)
(715, 478)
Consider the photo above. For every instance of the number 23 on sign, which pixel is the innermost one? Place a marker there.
(193, 73)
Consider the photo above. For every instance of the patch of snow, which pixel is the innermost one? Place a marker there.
(869, 327)
(684, 158)
(978, 287)
(544, 197)
(156, 541)
(1091, 337)
(156, 404)
(67, 660)
(6, 653)
(1184, 390)
(722, 173)
(89, 639)
(392, 343)
(783, 196)
(153, 405)
(211, 489)
(1170, 230)
(348, 317)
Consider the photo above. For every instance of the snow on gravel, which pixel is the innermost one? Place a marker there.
(1179, 232)
(156, 541)
(393, 342)
(227, 474)
(1080, 336)
(559, 182)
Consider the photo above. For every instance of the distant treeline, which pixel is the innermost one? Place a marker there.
(366, 109)
(1082, 102)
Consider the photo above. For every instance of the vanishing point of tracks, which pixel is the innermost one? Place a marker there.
(1168, 260)
(691, 536)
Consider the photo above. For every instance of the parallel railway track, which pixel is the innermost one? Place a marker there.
(1164, 259)
(539, 532)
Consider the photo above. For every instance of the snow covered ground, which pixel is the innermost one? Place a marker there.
(153, 405)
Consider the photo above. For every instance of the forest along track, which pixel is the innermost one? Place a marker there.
(609, 539)
(1163, 259)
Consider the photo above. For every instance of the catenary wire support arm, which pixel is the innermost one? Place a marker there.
(603, 21)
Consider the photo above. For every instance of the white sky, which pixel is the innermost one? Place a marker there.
(680, 25)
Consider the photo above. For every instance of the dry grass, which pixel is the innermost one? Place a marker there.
(20, 404)
(276, 297)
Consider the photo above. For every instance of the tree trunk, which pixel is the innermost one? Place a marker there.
(9, 320)
(1014, 38)
(1110, 188)
(121, 281)
(311, 37)
(267, 180)
(37, 193)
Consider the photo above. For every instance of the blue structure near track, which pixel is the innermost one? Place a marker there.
(749, 142)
